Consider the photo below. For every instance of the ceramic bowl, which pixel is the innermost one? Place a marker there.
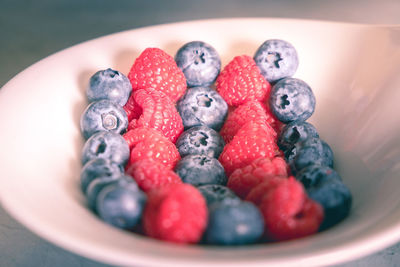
(353, 70)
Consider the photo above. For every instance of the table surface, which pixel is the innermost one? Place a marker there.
(31, 30)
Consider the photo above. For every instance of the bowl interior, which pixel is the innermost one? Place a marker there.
(353, 70)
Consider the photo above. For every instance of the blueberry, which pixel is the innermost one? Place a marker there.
(276, 59)
(309, 152)
(326, 187)
(202, 106)
(199, 62)
(94, 188)
(234, 223)
(98, 184)
(121, 205)
(294, 133)
(292, 100)
(103, 115)
(99, 167)
(109, 84)
(106, 145)
(200, 170)
(214, 193)
(200, 140)
(315, 174)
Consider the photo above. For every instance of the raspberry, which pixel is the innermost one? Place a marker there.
(147, 143)
(150, 174)
(276, 124)
(241, 81)
(289, 213)
(252, 110)
(156, 69)
(132, 109)
(254, 140)
(242, 180)
(153, 109)
(257, 193)
(176, 213)
(286, 199)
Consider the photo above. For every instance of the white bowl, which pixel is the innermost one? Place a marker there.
(353, 70)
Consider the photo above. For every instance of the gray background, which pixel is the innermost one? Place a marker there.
(31, 30)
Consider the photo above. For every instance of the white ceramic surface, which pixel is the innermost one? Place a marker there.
(353, 70)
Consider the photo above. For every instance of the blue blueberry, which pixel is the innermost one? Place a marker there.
(294, 133)
(326, 187)
(103, 115)
(121, 204)
(98, 184)
(200, 170)
(309, 152)
(96, 168)
(315, 174)
(106, 145)
(214, 193)
(276, 59)
(292, 100)
(202, 106)
(199, 62)
(94, 188)
(109, 84)
(234, 223)
(200, 140)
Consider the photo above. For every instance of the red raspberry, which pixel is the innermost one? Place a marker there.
(150, 174)
(254, 140)
(156, 69)
(153, 109)
(258, 192)
(252, 110)
(147, 143)
(242, 180)
(176, 213)
(132, 108)
(272, 120)
(241, 81)
(288, 212)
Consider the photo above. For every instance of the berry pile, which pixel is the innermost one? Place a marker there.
(184, 151)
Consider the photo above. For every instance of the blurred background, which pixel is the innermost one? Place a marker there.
(32, 30)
